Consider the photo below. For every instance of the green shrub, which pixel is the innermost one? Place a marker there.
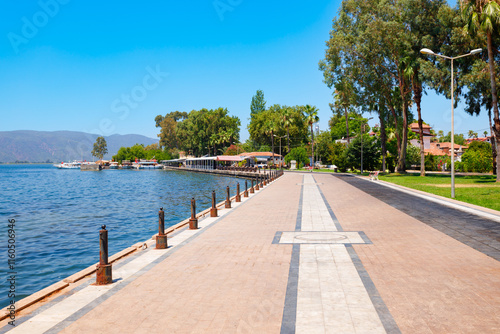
(298, 154)
(477, 158)
(431, 162)
(412, 155)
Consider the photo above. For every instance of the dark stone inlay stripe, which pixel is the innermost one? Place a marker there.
(277, 237)
(290, 310)
(334, 218)
(382, 310)
(365, 237)
(298, 222)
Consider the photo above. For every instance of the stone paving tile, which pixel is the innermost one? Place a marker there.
(430, 281)
(479, 233)
(230, 278)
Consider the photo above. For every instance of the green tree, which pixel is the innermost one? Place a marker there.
(459, 138)
(472, 134)
(484, 15)
(138, 151)
(413, 156)
(205, 128)
(477, 158)
(297, 128)
(311, 115)
(371, 153)
(100, 148)
(338, 155)
(271, 126)
(338, 128)
(298, 154)
(286, 121)
(324, 147)
(258, 103)
(168, 128)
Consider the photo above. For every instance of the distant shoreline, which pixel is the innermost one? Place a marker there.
(26, 163)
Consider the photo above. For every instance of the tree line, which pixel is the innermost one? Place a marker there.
(374, 64)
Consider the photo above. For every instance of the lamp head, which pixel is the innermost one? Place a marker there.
(473, 52)
(427, 51)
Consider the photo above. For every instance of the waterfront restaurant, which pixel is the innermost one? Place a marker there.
(211, 163)
(174, 162)
(206, 162)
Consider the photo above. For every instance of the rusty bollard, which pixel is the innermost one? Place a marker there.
(257, 183)
(193, 222)
(104, 275)
(213, 210)
(262, 181)
(161, 238)
(228, 199)
(252, 189)
(238, 195)
(245, 193)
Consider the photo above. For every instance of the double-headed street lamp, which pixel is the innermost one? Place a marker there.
(430, 52)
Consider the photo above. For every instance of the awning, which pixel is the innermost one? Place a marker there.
(229, 158)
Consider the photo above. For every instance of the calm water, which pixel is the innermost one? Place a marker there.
(59, 212)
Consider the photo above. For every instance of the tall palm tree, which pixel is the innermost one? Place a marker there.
(271, 127)
(286, 121)
(484, 15)
(311, 114)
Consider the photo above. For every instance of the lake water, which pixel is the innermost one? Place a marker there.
(59, 212)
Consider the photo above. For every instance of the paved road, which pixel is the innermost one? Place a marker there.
(479, 233)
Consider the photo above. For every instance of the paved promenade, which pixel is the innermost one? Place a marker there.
(310, 253)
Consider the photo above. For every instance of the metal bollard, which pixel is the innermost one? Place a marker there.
(252, 189)
(262, 181)
(228, 199)
(238, 195)
(104, 274)
(257, 184)
(161, 238)
(193, 222)
(245, 193)
(213, 210)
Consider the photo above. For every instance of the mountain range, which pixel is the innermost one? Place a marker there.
(57, 146)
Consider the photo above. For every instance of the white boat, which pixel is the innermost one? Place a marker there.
(69, 165)
(147, 164)
(113, 165)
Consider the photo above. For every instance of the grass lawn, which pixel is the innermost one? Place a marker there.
(475, 189)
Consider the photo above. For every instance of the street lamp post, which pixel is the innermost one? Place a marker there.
(280, 147)
(430, 52)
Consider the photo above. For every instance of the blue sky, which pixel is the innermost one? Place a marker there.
(110, 67)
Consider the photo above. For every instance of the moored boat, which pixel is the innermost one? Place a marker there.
(146, 164)
(69, 165)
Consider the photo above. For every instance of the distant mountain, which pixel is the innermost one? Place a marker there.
(57, 146)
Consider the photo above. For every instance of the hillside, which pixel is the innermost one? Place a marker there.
(56, 146)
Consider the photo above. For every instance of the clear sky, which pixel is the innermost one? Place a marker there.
(110, 67)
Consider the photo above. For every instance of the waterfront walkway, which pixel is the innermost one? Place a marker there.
(311, 253)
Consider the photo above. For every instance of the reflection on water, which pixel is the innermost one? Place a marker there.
(58, 214)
